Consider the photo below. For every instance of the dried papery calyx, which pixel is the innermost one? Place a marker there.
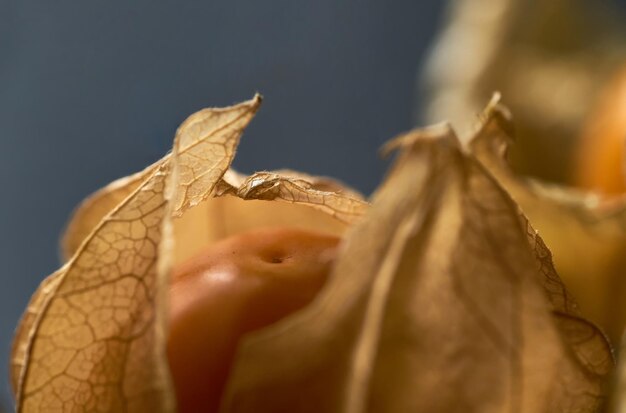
(586, 232)
(93, 335)
(456, 307)
(443, 297)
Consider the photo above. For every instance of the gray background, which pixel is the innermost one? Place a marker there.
(91, 91)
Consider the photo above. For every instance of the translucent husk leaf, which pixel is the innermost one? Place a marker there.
(443, 299)
(95, 207)
(587, 235)
(92, 337)
(93, 342)
(22, 333)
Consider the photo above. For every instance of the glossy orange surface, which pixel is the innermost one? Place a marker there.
(235, 286)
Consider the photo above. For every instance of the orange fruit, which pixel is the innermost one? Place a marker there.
(600, 162)
(233, 287)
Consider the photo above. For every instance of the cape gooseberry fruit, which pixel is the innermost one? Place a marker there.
(233, 287)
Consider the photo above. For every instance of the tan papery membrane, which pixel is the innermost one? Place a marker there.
(444, 298)
(586, 232)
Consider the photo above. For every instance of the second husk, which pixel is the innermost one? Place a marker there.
(561, 67)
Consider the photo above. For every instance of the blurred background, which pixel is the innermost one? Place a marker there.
(92, 91)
